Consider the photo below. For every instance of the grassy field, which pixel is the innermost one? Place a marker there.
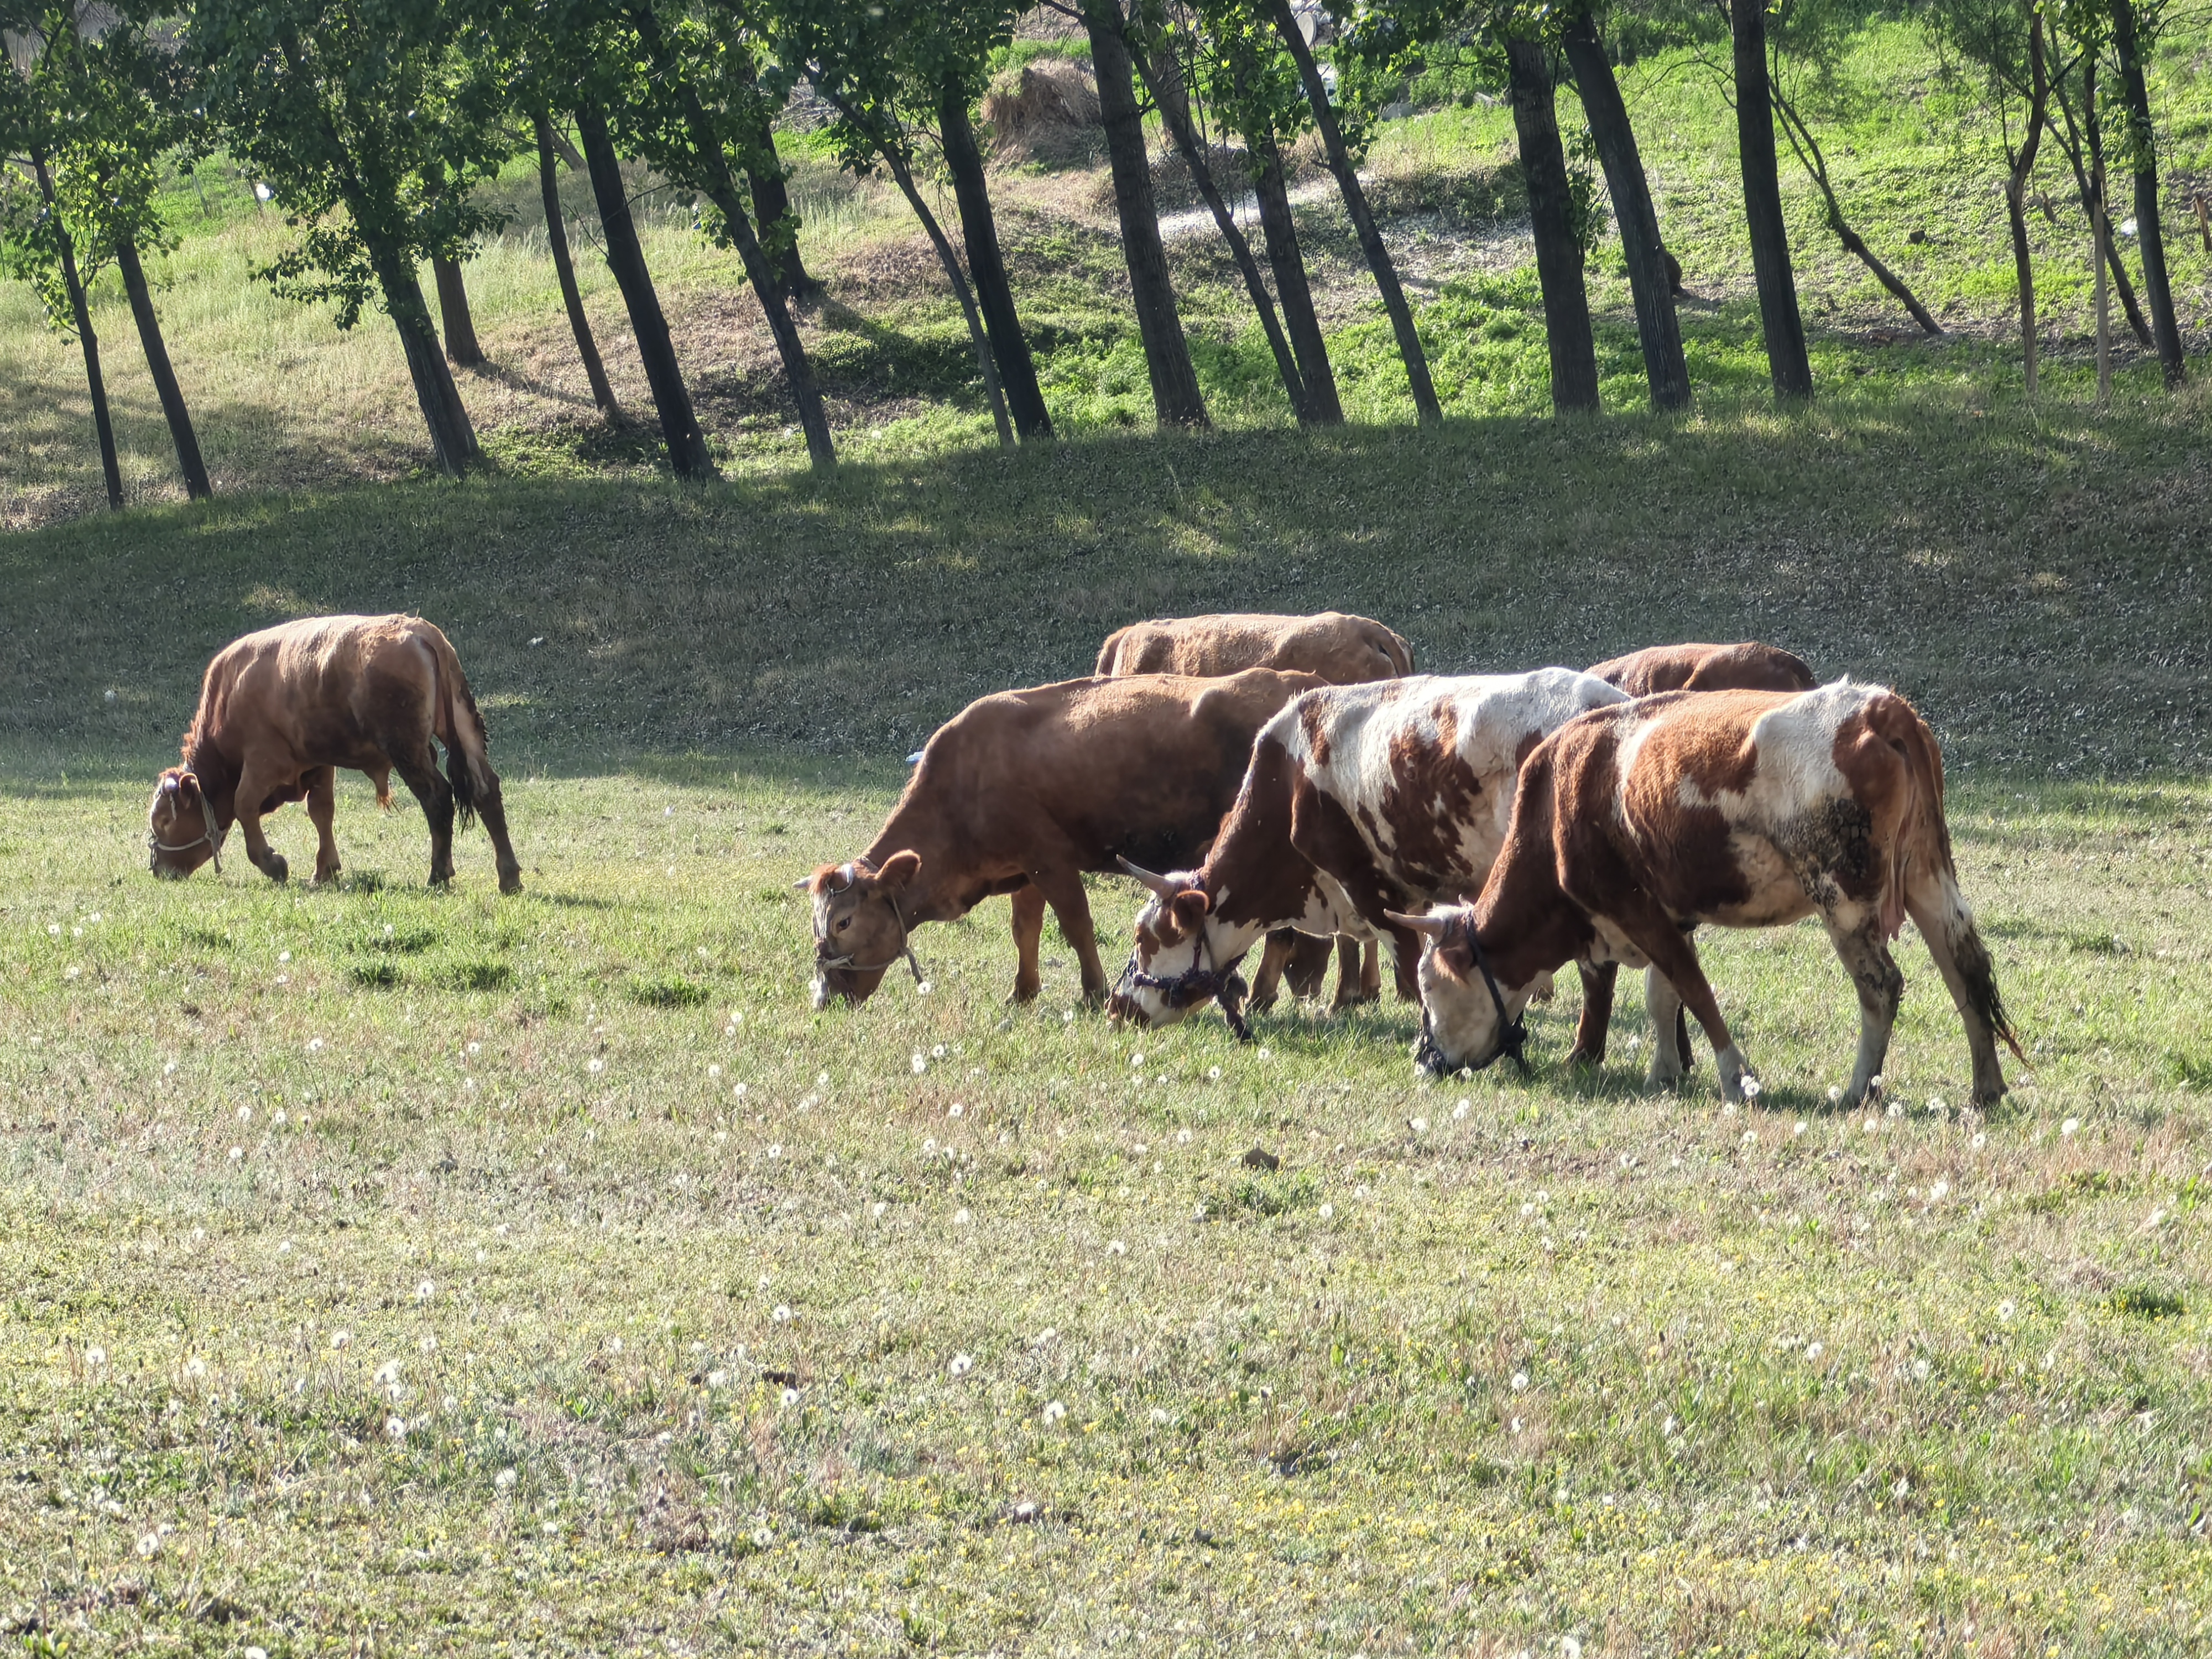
(284, 401)
(391, 1270)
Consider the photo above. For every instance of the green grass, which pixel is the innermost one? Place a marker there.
(1577, 1361)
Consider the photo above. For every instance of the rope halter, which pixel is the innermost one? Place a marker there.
(205, 838)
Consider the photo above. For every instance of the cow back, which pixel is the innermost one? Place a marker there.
(1343, 650)
(1746, 665)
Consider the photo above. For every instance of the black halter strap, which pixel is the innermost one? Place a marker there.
(1198, 984)
(1512, 1035)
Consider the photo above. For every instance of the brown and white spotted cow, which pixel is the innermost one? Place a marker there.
(282, 710)
(1023, 792)
(1744, 809)
(1359, 800)
(1746, 665)
(1343, 650)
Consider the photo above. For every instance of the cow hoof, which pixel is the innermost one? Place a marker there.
(1024, 993)
(1585, 1059)
(441, 880)
(276, 869)
(510, 881)
(324, 877)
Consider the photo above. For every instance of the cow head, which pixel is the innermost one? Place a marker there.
(1467, 1018)
(1173, 969)
(180, 831)
(859, 927)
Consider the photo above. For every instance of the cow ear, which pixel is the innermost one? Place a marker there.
(1456, 958)
(899, 869)
(188, 785)
(1189, 905)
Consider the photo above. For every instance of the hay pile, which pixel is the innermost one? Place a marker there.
(1045, 111)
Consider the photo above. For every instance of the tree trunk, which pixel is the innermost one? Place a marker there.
(993, 294)
(722, 186)
(1177, 400)
(1300, 321)
(1656, 325)
(1807, 148)
(452, 439)
(1551, 213)
(453, 310)
(1363, 218)
(2100, 257)
(779, 225)
(164, 377)
(679, 427)
(2017, 178)
(896, 160)
(1163, 81)
(2150, 234)
(557, 239)
(93, 380)
(1784, 329)
(2089, 177)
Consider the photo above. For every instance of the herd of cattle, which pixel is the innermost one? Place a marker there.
(1299, 783)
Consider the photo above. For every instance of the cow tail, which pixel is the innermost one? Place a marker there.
(461, 729)
(1924, 861)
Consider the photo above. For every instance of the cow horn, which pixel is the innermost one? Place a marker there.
(1432, 926)
(1160, 885)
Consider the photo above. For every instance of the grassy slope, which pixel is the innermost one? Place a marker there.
(1576, 1362)
(282, 400)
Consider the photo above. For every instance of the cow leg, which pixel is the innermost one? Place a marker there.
(1670, 1052)
(1670, 952)
(322, 808)
(492, 810)
(429, 786)
(1370, 971)
(1358, 971)
(1280, 946)
(1062, 888)
(255, 785)
(1596, 1016)
(1028, 904)
(1309, 965)
(1940, 911)
(1856, 932)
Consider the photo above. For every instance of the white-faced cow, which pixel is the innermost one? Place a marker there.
(1023, 792)
(1343, 650)
(282, 710)
(1359, 800)
(1745, 809)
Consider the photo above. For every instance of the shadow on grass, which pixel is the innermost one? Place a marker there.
(1963, 556)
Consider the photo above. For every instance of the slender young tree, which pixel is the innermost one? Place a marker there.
(1787, 361)
(2001, 42)
(37, 246)
(1658, 329)
(2080, 138)
(346, 108)
(2142, 162)
(109, 112)
(672, 399)
(1338, 151)
(979, 232)
(1551, 213)
(1177, 400)
(1254, 82)
(1165, 84)
(695, 114)
(564, 267)
(1810, 156)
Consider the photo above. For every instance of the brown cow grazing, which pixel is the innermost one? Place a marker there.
(1361, 800)
(282, 710)
(1344, 651)
(1745, 809)
(1021, 794)
(1746, 666)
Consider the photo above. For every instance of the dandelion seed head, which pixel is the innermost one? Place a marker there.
(1327, 1210)
(1520, 1380)
(918, 1063)
(341, 1340)
(1182, 1137)
(962, 1364)
(956, 1111)
(395, 1427)
(1136, 1062)
(149, 1545)
(1751, 1088)
(2070, 1126)
(1159, 1414)
(878, 1207)
(783, 1314)
(2005, 1309)
(597, 1065)
(614, 1345)
(1814, 1350)
(237, 1154)
(1115, 1246)
(1054, 1411)
(95, 1355)
(504, 1479)
(425, 1290)
(791, 1396)
(1939, 1191)
(1460, 1110)
(960, 1218)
